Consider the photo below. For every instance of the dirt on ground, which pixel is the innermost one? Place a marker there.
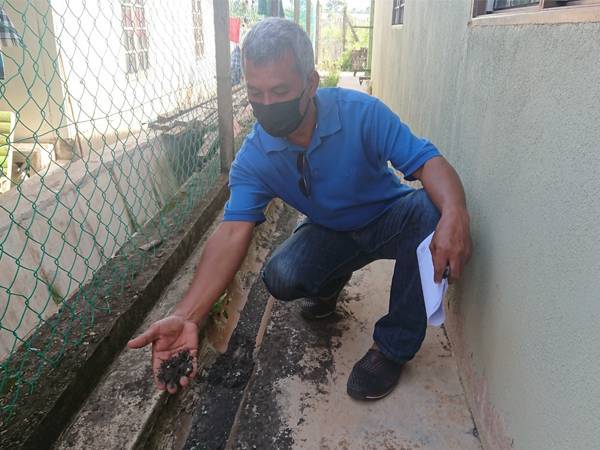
(289, 337)
(221, 387)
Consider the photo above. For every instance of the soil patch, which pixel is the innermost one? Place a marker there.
(221, 387)
(174, 368)
(289, 338)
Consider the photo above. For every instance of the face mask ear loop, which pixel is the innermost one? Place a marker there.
(307, 103)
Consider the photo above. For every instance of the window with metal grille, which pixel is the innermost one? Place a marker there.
(482, 7)
(197, 24)
(398, 12)
(135, 35)
(506, 4)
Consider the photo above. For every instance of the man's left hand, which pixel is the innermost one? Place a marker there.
(451, 244)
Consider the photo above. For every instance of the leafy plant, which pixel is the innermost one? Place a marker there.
(345, 61)
(54, 294)
(330, 80)
(218, 312)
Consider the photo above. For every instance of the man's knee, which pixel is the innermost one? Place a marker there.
(280, 279)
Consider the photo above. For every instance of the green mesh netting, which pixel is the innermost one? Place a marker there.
(107, 108)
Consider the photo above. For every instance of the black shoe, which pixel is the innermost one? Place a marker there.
(316, 308)
(373, 376)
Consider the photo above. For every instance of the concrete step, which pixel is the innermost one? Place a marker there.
(126, 411)
(297, 396)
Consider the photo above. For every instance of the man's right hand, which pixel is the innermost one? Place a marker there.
(168, 337)
(222, 256)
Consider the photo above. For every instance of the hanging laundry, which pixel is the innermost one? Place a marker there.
(236, 66)
(8, 34)
(234, 29)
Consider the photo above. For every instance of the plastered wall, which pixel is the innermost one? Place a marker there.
(516, 109)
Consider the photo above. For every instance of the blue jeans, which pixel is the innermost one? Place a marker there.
(316, 261)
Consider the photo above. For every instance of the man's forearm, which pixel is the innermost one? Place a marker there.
(220, 260)
(443, 185)
(451, 244)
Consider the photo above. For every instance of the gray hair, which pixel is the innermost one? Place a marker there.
(271, 38)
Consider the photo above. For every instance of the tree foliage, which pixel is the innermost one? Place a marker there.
(246, 9)
(334, 5)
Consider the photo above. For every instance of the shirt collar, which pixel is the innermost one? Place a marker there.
(328, 122)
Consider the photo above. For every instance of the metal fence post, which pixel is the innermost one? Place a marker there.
(317, 32)
(344, 23)
(224, 93)
(371, 23)
(308, 17)
(297, 11)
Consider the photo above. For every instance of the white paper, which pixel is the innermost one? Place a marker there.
(432, 292)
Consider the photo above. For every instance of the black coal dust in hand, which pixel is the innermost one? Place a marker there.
(177, 366)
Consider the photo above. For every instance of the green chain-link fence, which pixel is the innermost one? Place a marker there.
(107, 108)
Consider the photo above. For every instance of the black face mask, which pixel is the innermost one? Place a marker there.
(280, 119)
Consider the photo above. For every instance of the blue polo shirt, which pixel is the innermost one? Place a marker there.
(351, 182)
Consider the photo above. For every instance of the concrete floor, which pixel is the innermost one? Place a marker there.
(349, 81)
(298, 398)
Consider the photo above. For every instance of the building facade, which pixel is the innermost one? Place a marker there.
(511, 98)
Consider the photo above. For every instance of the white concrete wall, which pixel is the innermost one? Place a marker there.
(76, 47)
(31, 83)
(108, 101)
(57, 229)
(515, 110)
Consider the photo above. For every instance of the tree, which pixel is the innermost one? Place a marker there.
(246, 9)
(334, 5)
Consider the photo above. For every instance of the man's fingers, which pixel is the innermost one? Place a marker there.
(147, 337)
(184, 381)
(456, 267)
(172, 388)
(439, 265)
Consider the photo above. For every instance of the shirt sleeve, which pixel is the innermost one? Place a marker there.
(248, 197)
(394, 142)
